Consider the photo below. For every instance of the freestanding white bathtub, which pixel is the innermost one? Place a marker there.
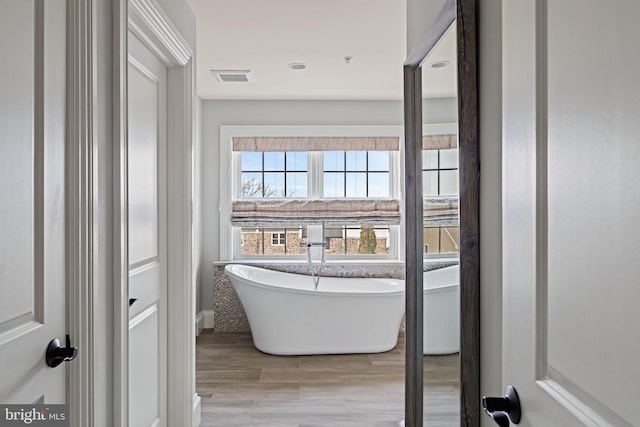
(441, 328)
(344, 315)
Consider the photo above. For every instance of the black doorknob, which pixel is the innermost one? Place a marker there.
(56, 354)
(500, 418)
(503, 409)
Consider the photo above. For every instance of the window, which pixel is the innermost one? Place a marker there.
(318, 175)
(337, 174)
(264, 167)
(273, 174)
(355, 174)
(441, 239)
(278, 239)
(440, 181)
(440, 172)
(267, 241)
(280, 184)
(362, 240)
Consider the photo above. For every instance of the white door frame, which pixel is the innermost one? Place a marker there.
(147, 20)
(81, 207)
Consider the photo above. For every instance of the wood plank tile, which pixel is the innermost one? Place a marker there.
(388, 410)
(240, 386)
(343, 391)
(354, 424)
(226, 376)
(326, 411)
(298, 375)
(226, 413)
(275, 391)
(262, 361)
(336, 361)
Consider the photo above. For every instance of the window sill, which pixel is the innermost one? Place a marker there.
(304, 261)
(391, 262)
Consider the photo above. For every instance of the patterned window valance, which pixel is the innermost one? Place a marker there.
(440, 210)
(439, 142)
(437, 211)
(334, 143)
(323, 143)
(265, 213)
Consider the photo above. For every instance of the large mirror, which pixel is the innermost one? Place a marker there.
(442, 212)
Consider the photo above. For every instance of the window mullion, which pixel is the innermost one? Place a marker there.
(236, 183)
(263, 186)
(366, 174)
(315, 175)
(284, 167)
(344, 189)
(394, 191)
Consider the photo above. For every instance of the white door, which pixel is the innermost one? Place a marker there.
(571, 209)
(32, 215)
(147, 225)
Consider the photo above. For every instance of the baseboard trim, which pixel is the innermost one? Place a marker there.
(199, 323)
(208, 319)
(197, 415)
(204, 320)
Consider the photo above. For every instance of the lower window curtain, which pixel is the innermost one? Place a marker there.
(265, 213)
(440, 211)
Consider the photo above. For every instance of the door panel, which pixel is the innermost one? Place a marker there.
(146, 290)
(147, 237)
(17, 171)
(143, 368)
(143, 163)
(32, 242)
(571, 236)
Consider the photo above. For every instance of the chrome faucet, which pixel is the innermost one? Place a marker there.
(315, 277)
(313, 244)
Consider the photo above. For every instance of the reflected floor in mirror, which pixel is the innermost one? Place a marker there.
(240, 386)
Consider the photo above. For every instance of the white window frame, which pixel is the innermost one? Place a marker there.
(280, 238)
(440, 129)
(230, 182)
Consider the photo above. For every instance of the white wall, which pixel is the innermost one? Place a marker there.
(490, 65)
(197, 206)
(217, 113)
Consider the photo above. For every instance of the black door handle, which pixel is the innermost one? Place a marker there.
(500, 418)
(503, 409)
(56, 354)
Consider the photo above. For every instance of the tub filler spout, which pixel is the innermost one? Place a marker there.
(314, 277)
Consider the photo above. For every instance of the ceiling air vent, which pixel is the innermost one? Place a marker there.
(226, 76)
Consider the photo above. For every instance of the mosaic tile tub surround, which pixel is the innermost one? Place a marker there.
(228, 311)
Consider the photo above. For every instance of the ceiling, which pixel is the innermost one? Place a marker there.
(266, 36)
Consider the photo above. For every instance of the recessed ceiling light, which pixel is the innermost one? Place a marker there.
(297, 66)
(439, 64)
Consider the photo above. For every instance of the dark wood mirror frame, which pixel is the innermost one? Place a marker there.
(464, 13)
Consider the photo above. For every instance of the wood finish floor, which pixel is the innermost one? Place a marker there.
(240, 386)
